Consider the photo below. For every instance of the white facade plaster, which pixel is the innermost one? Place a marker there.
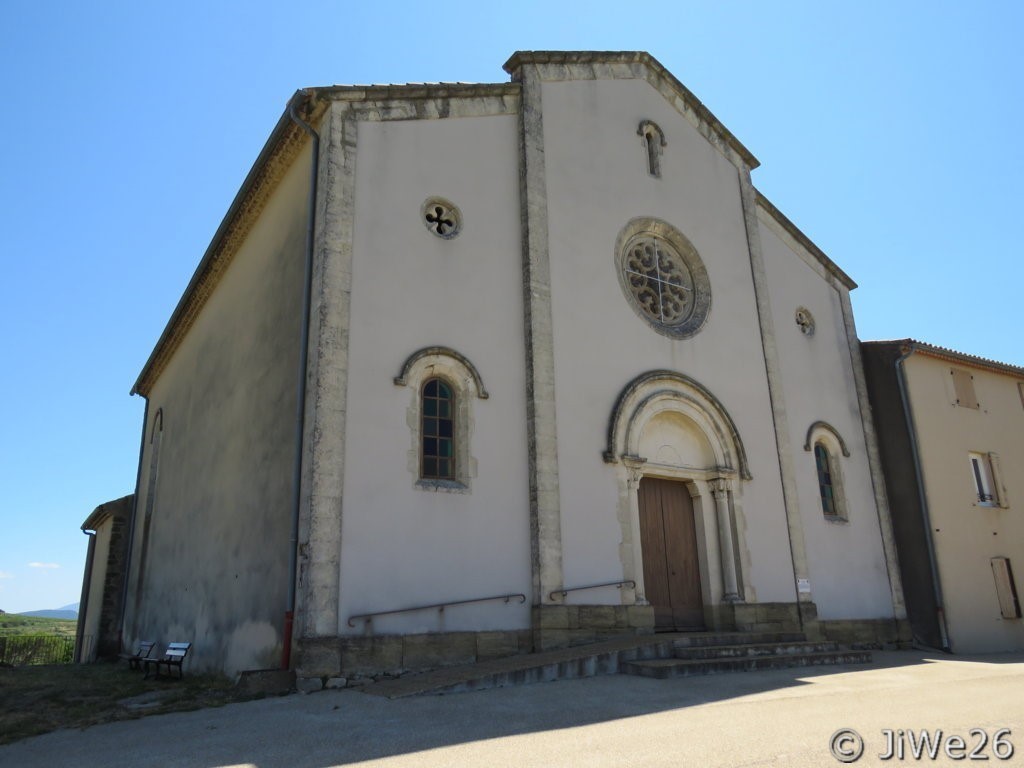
(546, 172)
(404, 545)
(819, 370)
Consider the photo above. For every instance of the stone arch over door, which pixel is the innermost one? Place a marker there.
(666, 426)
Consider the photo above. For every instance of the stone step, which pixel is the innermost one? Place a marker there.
(667, 668)
(775, 648)
(602, 658)
(702, 639)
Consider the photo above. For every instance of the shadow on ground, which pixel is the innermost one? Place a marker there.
(332, 728)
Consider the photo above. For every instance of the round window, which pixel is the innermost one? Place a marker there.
(441, 217)
(663, 277)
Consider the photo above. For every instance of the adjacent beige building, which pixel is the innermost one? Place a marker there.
(951, 429)
(101, 607)
(535, 351)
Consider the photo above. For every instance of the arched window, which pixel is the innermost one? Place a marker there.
(444, 387)
(829, 448)
(825, 485)
(437, 461)
(654, 141)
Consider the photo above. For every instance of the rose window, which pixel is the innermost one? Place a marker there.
(659, 280)
(663, 277)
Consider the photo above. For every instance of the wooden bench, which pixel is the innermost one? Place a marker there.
(135, 659)
(174, 656)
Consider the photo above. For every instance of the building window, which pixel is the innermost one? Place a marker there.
(828, 446)
(986, 474)
(805, 321)
(826, 488)
(441, 217)
(663, 277)
(444, 389)
(438, 460)
(654, 142)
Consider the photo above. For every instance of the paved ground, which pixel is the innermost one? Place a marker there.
(777, 718)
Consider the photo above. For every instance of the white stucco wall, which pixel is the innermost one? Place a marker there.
(597, 181)
(401, 545)
(967, 534)
(845, 560)
(217, 554)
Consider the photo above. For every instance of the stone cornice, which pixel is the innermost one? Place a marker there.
(794, 231)
(280, 151)
(591, 65)
(418, 91)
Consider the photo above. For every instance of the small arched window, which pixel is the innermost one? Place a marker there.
(654, 141)
(437, 461)
(825, 482)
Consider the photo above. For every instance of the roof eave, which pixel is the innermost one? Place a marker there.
(913, 346)
(830, 266)
(284, 126)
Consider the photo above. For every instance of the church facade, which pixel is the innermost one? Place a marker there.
(471, 370)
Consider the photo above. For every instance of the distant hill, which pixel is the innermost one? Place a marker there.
(64, 612)
(51, 614)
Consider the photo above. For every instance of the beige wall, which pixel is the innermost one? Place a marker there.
(217, 550)
(966, 534)
(403, 545)
(97, 583)
(597, 180)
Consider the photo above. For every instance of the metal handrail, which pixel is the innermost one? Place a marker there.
(620, 584)
(368, 617)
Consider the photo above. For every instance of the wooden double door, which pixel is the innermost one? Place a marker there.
(668, 540)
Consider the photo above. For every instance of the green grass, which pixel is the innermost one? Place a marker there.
(35, 700)
(10, 624)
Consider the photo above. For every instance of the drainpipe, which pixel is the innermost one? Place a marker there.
(83, 602)
(300, 408)
(922, 497)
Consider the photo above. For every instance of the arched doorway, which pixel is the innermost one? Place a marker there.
(682, 465)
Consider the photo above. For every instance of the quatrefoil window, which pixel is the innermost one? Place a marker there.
(664, 278)
(805, 321)
(441, 217)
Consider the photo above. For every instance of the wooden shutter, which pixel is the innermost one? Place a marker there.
(1009, 605)
(963, 385)
(998, 486)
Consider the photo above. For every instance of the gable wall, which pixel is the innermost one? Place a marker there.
(597, 180)
(217, 550)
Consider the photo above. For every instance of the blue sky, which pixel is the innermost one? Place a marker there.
(889, 132)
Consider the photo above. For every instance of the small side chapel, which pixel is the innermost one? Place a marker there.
(470, 370)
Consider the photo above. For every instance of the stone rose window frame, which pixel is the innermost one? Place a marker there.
(663, 277)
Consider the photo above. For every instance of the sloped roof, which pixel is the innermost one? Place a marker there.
(950, 355)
